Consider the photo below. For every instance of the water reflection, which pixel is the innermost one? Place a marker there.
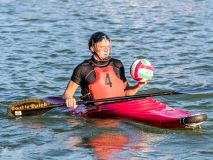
(107, 140)
(107, 144)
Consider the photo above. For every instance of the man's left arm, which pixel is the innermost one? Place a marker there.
(132, 90)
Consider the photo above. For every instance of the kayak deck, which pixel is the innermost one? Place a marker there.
(147, 110)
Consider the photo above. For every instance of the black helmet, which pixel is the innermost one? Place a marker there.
(97, 37)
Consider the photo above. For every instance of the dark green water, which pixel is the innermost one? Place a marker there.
(42, 41)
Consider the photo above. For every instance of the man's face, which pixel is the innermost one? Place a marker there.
(101, 48)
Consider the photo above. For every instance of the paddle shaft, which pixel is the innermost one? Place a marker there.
(108, 100)
(35, 106)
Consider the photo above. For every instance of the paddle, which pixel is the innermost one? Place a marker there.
(37, 106)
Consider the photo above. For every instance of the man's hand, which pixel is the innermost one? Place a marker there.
(71, 102)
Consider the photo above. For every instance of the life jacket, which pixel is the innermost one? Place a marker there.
(106, 84)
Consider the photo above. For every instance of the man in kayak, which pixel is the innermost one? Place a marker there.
(101, 76)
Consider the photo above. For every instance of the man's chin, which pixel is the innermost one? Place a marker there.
(106, 59)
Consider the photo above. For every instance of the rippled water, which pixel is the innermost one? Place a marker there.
(42, 41)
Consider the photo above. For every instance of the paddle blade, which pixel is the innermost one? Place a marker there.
(28, 107)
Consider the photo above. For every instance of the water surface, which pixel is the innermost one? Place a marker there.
(41, 43)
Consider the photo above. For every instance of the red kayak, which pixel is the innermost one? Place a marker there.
(147, 110)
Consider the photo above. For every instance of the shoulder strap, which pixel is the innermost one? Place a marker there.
(116, 70)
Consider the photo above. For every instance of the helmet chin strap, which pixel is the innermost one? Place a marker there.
(95, 53)
(102, 59)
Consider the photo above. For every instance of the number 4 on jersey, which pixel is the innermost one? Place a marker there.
(108, 80)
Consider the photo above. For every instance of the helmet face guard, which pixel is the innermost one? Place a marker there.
(99, 37)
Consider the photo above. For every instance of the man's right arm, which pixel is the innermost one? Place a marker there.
(69, 93)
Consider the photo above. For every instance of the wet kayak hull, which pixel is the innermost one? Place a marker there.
(148, 111)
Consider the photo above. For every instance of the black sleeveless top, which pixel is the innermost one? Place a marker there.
(84, 73)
